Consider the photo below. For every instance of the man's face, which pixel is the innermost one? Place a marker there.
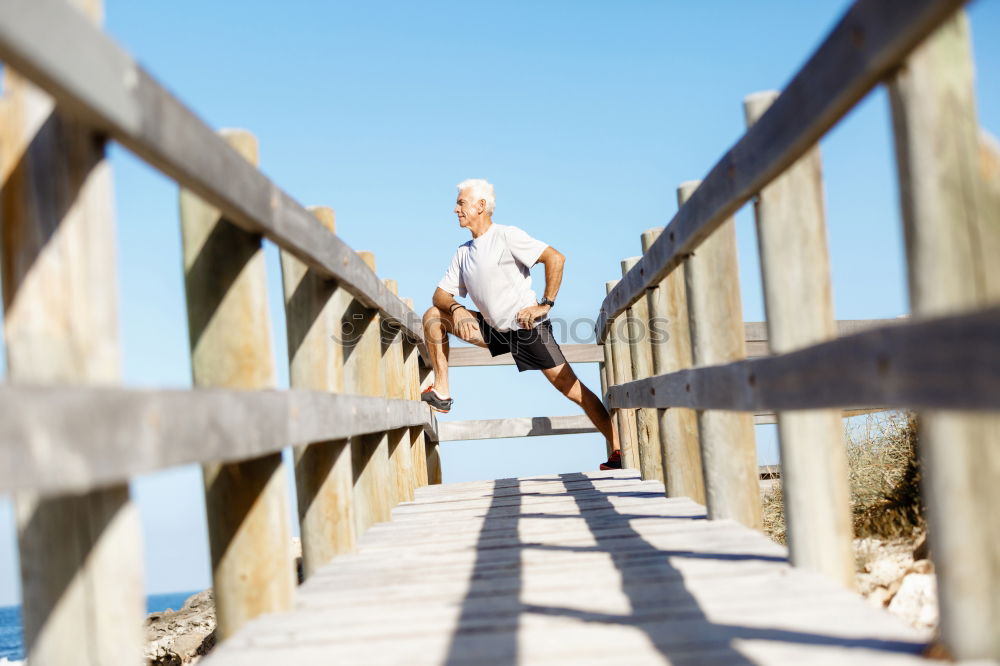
(468, 209)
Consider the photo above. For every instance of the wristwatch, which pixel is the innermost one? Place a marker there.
(547, 302)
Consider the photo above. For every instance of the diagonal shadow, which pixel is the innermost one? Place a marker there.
(499, 622)
(487, 630)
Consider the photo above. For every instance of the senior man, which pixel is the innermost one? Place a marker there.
(494, 270)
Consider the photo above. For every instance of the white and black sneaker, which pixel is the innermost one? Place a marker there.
(437, 403)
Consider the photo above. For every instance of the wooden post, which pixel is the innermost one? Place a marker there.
(323, 476)
(670, 342)
(798, 297)
(364, 374)
(647, 425)
(602, 369)
(619, 359)
(952, 242)
(246, 502)
(397, 386)
(418, 442)
(432, 448)
(728, 450)
(81, 555)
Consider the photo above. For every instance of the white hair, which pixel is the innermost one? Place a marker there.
(481, 189)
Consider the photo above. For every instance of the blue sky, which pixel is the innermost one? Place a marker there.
(585, 115)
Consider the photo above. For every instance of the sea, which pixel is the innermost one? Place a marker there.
(11, 640)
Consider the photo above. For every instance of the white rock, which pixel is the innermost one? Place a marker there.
(916, 601)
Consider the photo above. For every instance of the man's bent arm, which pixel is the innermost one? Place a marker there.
(443, 300)
(553, 260)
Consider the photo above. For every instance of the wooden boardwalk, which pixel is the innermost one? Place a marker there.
(582, 568)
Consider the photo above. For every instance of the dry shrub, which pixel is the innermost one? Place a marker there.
(884, 474)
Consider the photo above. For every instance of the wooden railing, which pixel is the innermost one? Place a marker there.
(694, 393)
(71, 439)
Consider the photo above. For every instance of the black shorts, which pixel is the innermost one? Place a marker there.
(532, 348)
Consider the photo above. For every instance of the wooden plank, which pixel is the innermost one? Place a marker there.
(364, 374)
(728, 448)
(798, 299)
(678, 432)
(397, 386)
(142, 431)
(323, 471)
(418, 438)
(459, 357)
(96, 80)
(756, 340)
(544, 426)
(80, 554)
(680, 590)
(624, 421)
(647, 420)
(246, 503)
(952, 230)
(934, 363)
(537, 426)
(865, 46)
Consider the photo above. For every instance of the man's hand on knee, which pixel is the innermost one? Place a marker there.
(466, 326)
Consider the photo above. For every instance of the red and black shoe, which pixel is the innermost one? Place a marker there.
(614, 461)
(437, 403)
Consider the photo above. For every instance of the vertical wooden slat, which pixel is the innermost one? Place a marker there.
(81, 555)
(396, 381)
(433, 454)
(619, 359)
(728, 449)
(798, 298)
(364, 374)
(647, 424)
(323, 476)
(418, 442)
(670, 342)
(953, 244)
(602, 369)
(229, 328)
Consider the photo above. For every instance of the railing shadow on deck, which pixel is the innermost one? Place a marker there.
(494, 630)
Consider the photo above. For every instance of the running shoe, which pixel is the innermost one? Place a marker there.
(437, 403)
(614, 461)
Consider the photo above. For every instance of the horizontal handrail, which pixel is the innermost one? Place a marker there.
(756, 339)
(543, 426)
(71, 439)
(941, 363)
(871, 39)
(91, 76)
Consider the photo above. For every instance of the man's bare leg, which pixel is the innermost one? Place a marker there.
(437, 325)
(566, 381)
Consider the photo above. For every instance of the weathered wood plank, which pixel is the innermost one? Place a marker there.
(95, 79)
(637, 327)
(756, 339)
(866, 45)
(728, 447)
(948, 362)
(624, 420)
(65, 439)
(507, 589)
(323, 470)
(246, 503)
(952, 230)
(459, 357)
(537, 426)
(543, 426)
(798, 299)
(365, 374)
(671, 347)
(78, 552)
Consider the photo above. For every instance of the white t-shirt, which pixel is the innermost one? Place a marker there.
(494, 270)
